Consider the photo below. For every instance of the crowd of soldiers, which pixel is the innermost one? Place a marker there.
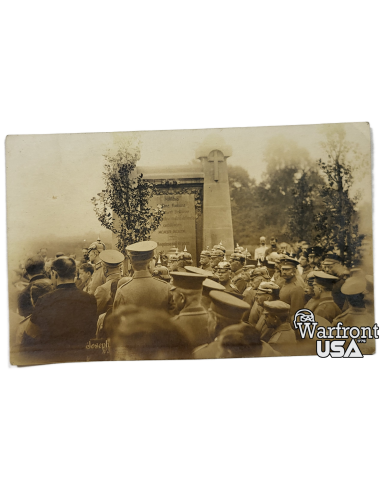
(158, 305)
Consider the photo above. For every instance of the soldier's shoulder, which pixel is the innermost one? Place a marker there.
(128, 281)
(160, 280)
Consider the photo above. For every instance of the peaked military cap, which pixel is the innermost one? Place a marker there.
(288, 261)
(200, 271)
(111, 257)
(205, 252)
(369, 279)
(268, 287)
(314, 250)
(209, 285)
(322, 277)
(331, 258)
(353, 286)
(185, 280)
(276, 307)
(224, 265)
(227, 305)
(142, 250)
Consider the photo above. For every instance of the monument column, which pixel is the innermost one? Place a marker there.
(218, 226)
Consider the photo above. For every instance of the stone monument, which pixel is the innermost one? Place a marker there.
(196, 199)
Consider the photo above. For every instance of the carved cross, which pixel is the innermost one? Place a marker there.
(216, 159)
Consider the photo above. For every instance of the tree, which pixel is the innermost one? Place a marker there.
(337, 223)
(306, 203)
(126, 196)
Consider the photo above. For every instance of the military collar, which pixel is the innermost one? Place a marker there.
(113, 276)
(39, 276)
(67, 286)
(142, 274)
(188, 311)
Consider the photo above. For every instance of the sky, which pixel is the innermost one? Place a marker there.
(52, 178)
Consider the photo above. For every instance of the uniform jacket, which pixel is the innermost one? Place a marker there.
(283, 335)
(103, 292)
(337, 295)
(38, 286)
(293, 294)
(312, 304)
(238, 281)
(358, 317)
(97, 279)
(193, 322)
(327, 307)
(145, 291)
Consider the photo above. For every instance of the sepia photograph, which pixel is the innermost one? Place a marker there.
(190, 244)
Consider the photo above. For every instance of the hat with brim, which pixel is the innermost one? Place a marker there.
(288, 261)
(353, 286)
(187, 281)
(208, 285)
(227, 305)
(199, 271)
(267, 287)
(111, 257)
(325, 279)
(276, 308)
(144, 250)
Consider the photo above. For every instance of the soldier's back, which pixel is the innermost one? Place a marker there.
(144, 291)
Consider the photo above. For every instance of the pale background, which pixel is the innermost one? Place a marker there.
(59, 174)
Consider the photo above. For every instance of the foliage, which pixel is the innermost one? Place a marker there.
(306, 203)
(126, 196)
(337, 223)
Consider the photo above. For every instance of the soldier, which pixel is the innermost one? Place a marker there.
(267, 291)
(207, 286)
(172, 261)
(139, 334)
(237, 262)
(354, 288)
(326, 307)
(162, 272)
(225, 310)
(216, 256)
(242, 341)
(277, 315)
(98, 277)
(142, 289)
(343, 273)
(311, 298)
(291, 292)
(205, 258)
(112, 263)
(193, 319)
(224, 273)
(183, 258)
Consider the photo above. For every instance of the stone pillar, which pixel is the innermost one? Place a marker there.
(218, 226)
